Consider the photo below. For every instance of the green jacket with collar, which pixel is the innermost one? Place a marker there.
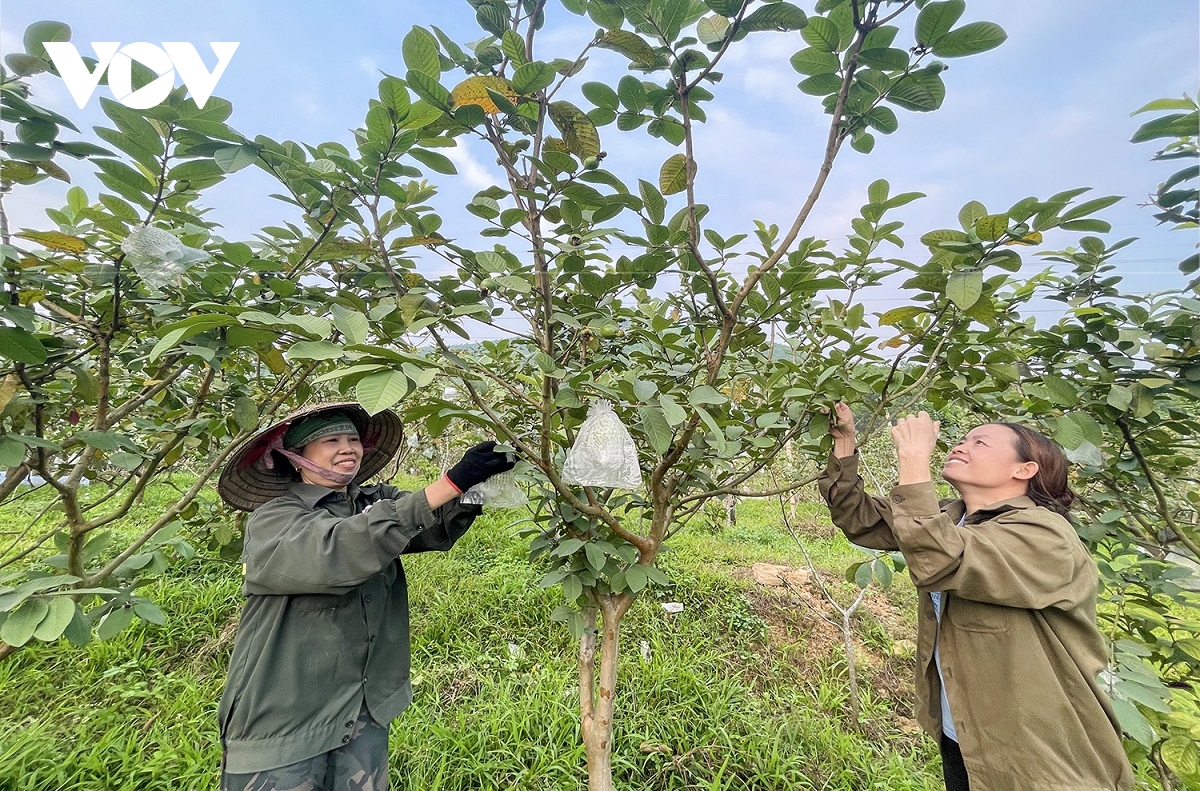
(325, 624)
(1019, 646)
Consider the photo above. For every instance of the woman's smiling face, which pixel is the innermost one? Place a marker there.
(337, 452)
(987, 457)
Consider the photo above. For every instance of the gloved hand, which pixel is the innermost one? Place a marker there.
(477, 465)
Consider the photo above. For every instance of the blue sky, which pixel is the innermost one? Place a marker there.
(1047, 111)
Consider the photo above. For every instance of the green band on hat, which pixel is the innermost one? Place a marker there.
(318, 426)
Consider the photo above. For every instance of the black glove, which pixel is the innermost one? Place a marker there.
(477, 465)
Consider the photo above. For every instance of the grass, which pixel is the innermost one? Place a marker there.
(745, 689)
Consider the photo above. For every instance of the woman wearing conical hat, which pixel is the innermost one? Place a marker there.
(320, 667)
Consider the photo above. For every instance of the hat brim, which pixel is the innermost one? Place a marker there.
(246, 483)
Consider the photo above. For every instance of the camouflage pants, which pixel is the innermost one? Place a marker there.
(359, 765)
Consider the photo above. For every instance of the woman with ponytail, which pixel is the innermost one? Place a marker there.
(1008, 648)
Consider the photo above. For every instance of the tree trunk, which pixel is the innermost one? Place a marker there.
(596, 703)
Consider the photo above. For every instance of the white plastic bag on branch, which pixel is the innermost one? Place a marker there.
(603, 453)
(498, 491)
(158, 256)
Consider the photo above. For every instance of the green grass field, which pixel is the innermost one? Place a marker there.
(745, 689)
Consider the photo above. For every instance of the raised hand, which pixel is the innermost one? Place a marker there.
(916, 438)
(477, 465)
(841, 428)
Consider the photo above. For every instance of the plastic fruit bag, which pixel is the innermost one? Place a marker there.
(499, 491)
(603, 453)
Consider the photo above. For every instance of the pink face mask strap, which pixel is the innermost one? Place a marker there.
(275, 443)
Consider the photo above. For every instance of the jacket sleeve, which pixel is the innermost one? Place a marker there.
(866, 520)
(1025, 557)
(449, 524)
(293, 549)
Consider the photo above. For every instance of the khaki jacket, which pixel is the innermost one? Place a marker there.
(1019, 646)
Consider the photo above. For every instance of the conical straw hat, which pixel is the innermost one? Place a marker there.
(246, 482)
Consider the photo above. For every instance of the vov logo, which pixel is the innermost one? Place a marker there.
(118, 61)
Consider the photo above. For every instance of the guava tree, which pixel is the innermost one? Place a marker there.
(120, 358)
(587, 286)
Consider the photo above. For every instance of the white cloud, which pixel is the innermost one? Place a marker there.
(470, 169)
(367, 66)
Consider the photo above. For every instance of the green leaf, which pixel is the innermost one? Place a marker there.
(430, 89)
(964, 288)
(245, 413)
(863, 575)
(636, 578)
(862, 142)
(921, 93)
(884, 58)
(595, 557)
(12, 452)
(492, 16)
(821, 34)
(353, 325)
(936, 19)
(821, 85)
(882, 572)
(235, 158)
(532, 77)
(1182, 756)
(382, 390)
(114, 622)
(61, 611)
(672, 411)
(37, 34)
(728, 8)
(705, 394)
(712, 29)
(970, 213)
(514, 48)
(21, 623)
(882, 119)
(601, 95)
(780, 17)
(632, 93)
(150, 612)
(657, 429)
(1090, 207)
(434, 161)
(1134, 723)
(970, 39)
(629, 44)
(420, 52)
(314, 350)
(653, 200)
(572, 588)
(393, 94)
(79, 630)
(673, 176)
(19, 345)
(813, 61)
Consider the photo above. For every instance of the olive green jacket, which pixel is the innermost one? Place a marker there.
(325, 624)
(1019, 647)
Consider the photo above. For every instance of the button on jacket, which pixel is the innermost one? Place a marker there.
(1019, 646)
(325, 624)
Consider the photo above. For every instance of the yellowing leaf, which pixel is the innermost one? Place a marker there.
(578, 131)
(897, 315)
(474, 90)
(1031, 238)
(8, 388)
(56, 241)
(673, 176)
(413, 241)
